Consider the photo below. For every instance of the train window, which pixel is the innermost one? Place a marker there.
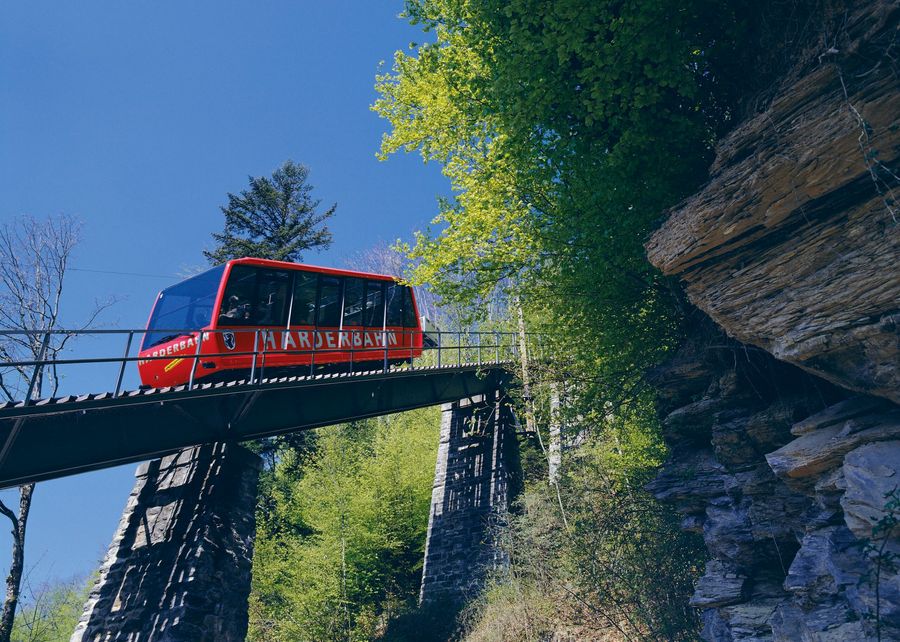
(255, 297)
(394, 298)
(272, 297)
(240, 293)
(329, 302)
(303, 310)
(185, 306)
(353, 301)
(400, 311)
(373, 313)
(409, 312)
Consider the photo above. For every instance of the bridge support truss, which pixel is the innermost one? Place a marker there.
(178, 568)
(477, 466)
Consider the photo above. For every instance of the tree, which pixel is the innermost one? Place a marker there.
(340, 553)
(566, 128)
(34, 255)
(277, 218)
(52, 610)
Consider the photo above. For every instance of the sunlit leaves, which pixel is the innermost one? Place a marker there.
(342, 547)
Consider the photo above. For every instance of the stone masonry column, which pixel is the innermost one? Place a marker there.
(470, 496)
(178, 568)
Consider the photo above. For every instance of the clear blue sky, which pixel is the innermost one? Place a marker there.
(138, 118)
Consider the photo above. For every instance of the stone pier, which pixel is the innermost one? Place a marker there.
(476, 463)
(178, 568)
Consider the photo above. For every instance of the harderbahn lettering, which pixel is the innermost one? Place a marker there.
(288, 340)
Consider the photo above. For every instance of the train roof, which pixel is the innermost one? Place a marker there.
(310, 268)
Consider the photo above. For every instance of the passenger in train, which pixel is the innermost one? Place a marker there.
(236, 308)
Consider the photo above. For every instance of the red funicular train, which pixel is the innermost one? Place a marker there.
(298, 317)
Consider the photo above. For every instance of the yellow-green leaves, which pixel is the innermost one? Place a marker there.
(344, 547)
(565, 127)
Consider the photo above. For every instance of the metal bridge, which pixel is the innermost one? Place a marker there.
(53, 437)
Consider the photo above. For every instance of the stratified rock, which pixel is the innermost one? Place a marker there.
(719, 586)
(748, 622)
(728, 532)
(823, 624)
(817, 451)
(692, 482)
(838, 413)
(740, 442)
(776, 513)
(684, 377)
(833, 580)
(794, 245)
(829, 560)
(871, 479)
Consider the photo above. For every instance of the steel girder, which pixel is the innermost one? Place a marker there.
(55, 438)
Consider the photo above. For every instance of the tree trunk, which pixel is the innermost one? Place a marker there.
(554, 456)
(14, 579)
(530, 425)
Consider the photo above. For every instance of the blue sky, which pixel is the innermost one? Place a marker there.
(138, 118)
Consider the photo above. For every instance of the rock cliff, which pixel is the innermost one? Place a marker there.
(785, 434)
(792, 246)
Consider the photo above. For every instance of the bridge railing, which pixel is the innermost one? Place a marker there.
(335, 350)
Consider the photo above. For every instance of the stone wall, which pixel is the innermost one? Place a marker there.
(475, 462)
(178, 568)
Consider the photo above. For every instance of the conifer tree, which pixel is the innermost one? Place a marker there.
(276, 218)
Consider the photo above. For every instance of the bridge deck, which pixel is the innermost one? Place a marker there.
(57, 437)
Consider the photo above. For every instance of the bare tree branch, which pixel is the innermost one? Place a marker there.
(34, 256)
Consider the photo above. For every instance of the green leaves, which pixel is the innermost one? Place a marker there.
(566, 128)
(342, 545)
(51, 612)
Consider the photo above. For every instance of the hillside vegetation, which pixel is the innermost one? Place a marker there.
(341, 530)
(565, 128)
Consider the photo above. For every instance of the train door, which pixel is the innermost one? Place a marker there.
(400, 322)
(372, 321)
(329, 311)
(362, 320)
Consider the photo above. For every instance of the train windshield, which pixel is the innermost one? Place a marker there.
(183, 307)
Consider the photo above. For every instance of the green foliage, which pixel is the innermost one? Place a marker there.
(621, 565)
(277, 218)
(51, 613)
(566, 127)
(340, 543)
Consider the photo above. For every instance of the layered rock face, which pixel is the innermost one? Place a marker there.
(792, 474)
(789, 479)
(793, 245)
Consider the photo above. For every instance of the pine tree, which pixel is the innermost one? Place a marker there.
(277, 218)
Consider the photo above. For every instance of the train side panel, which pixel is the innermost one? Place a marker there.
(291, 318)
